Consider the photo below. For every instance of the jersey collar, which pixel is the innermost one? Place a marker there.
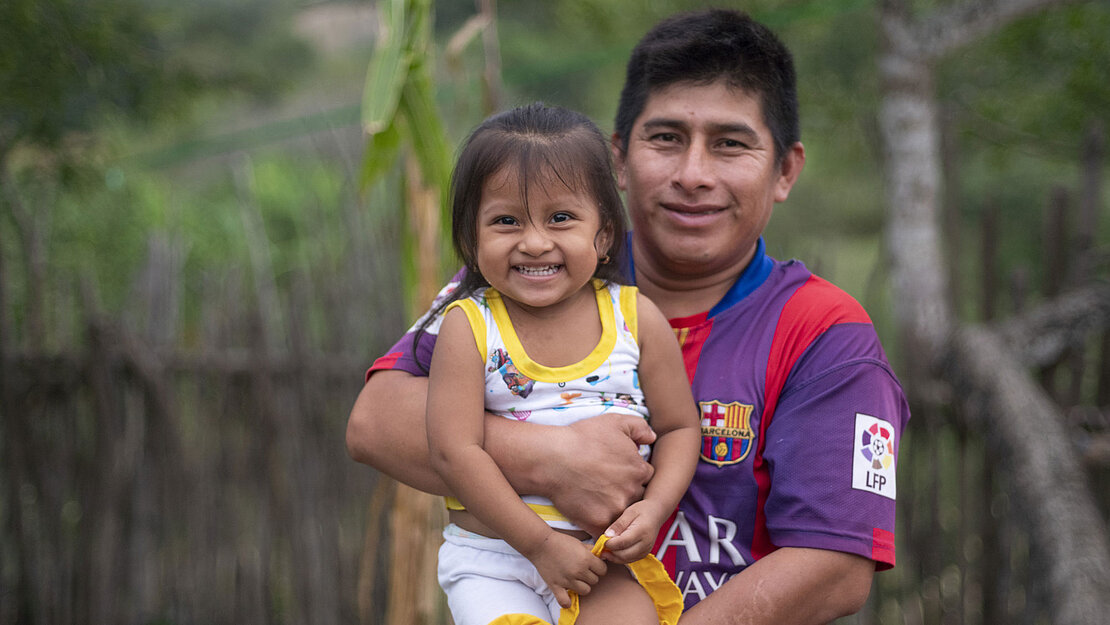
(750, 279)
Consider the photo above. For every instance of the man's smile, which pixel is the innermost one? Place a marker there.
(693, 209)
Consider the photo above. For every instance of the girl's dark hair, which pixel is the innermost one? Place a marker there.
(544, 145)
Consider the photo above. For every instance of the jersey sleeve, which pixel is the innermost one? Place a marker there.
(410, 355)
(832, 448)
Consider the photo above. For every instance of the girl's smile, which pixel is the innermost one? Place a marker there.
(538, 271)
(538, 248)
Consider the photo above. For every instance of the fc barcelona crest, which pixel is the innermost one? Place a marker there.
(726, 433)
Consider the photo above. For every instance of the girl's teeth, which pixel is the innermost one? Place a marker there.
(538, 271)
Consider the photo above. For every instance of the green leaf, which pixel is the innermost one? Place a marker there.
(425, 127)
(381, 153)
(418, 31)
(387, 73)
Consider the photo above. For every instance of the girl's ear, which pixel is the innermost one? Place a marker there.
(603, 241)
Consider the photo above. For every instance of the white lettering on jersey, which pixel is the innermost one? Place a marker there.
(691, 584)
(682, 527)
(718, 542)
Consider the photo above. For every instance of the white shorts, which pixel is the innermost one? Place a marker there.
(485, 578)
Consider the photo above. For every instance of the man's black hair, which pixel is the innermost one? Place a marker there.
(706, 46)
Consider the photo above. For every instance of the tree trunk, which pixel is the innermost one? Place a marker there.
(1046, 481)
(911, 148)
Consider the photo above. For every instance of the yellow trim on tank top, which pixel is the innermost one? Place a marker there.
(629, 311)
(554, 375)
(546, 512)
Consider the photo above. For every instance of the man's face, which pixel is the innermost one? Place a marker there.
(700, 179)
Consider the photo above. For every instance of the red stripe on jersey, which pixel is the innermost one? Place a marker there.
(668, 560)
(815, 307)
(691, 333)
(882, 547)
(385, 362)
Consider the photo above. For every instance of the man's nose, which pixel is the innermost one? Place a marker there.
(694, 169)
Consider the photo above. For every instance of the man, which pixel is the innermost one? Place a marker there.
(792, 507)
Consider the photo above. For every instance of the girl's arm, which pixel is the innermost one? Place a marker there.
(674, 417)
(456, 437)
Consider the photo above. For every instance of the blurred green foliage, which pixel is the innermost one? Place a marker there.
(1020, 105)
(66, 65)
(157, 103)
(83, 83)
(65, 62)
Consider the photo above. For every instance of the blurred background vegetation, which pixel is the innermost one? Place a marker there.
(193, 276)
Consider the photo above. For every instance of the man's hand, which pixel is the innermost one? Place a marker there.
(594, 468)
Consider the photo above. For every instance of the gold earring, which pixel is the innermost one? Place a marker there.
(604, 259)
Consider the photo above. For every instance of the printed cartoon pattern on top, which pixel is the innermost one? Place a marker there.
(518, 384)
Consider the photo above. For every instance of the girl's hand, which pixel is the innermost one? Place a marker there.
(632, 535)
(567, 564)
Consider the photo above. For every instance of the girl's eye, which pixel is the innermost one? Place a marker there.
(560, 217)
(505, 220)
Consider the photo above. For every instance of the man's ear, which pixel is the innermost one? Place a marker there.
(789, 169)
(618, 161)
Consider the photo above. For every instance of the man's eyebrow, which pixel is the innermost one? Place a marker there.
(658, 123)
(662, 122)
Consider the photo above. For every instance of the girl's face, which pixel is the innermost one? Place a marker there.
(541, 254)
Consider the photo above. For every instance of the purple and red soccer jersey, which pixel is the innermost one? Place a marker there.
(801, 422)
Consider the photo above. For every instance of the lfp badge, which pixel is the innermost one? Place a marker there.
(873, 465)
(726, 433)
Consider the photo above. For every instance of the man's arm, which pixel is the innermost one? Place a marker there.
(386, 429)
(591, 470)
(789, 586)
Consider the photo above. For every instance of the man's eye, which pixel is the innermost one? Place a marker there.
(665, 137)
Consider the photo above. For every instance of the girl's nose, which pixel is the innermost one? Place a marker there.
(534, 241)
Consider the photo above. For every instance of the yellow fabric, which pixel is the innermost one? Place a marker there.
(544, 373)
(547, 513)
(629, 311)
(648, 571)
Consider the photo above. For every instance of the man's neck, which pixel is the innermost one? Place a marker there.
(684, 295)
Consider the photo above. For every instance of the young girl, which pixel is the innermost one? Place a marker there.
(539, 330)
